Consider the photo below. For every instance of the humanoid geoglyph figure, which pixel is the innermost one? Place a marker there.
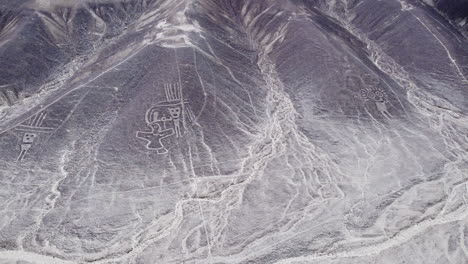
(31, 128)
(166, 119)
(155, 137)
(28, 139)
(378, 96)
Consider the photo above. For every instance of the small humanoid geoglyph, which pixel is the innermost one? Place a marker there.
(28, 139)
(155, 137)
(31, 128)
(166, 119)
(372, 92)
(175, 115)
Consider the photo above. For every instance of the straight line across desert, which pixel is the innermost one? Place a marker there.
(233, 131)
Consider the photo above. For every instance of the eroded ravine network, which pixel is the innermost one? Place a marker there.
(281, 137)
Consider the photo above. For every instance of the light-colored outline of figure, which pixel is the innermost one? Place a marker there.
(32, 127)
(379, 97)
(173, 92)
(382, 107)
(173, 112)
(28, 140)
(37, 120)
(155, 137)
(373, 93)
(175, 99)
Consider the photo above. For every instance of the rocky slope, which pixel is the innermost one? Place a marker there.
(455, 11)
(232, 131)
